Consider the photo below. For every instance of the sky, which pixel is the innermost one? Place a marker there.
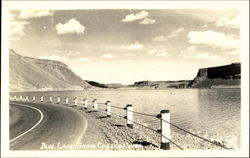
(129, 45)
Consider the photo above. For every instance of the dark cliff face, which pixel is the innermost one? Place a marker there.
(96, 84)
(231, 71)
(226, 75)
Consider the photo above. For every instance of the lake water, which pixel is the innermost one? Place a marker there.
(212, 112)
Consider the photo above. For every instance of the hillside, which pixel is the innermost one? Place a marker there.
(161, 84)
(30, 74)
(225, 76)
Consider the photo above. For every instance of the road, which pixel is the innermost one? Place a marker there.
(35, 126)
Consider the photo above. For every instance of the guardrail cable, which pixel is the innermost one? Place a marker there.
(117, 107)
(195, 135)
(150, 115)
(157, 133)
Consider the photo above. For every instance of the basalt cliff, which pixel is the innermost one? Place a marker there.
(226, 76)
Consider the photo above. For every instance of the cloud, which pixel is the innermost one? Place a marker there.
(147, 21)
(55, 57)
(160, 39)
(136, 45)
(192, 53)
(207, 56)
(226, 21)
(133, 17)
(158, 52)
(16, 27)
(143, 15)
(175, 33)
(213, 38)
(152, 52)
(82, 59)
(18, 22)
(108, 56)
(63, 58)
(233, 52)
(71, 27)
(125, 60)
(70, 53)
(28, 14)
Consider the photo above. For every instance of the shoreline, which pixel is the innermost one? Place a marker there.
(117, 89)
(112, 133)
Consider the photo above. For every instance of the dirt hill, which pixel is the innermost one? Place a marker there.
(30, 74)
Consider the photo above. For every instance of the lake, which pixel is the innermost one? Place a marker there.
(211, 112)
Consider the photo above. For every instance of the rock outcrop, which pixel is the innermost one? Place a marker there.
(161, 84)
(220, 76)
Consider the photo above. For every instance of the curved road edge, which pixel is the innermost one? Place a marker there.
(57, 124)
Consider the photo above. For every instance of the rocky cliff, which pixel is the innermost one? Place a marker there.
(220, 76)
(162, 84)
(30, 74)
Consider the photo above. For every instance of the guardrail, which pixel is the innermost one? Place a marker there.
(163, 116)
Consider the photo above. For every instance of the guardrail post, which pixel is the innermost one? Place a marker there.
(108, 108)
(95, 105)
(41, 98)
(58, 100)
(34, 98)
(14, 97)
(67, 100)
(21, 97)
(165, 129)
(85, 102)
(129, 117)
(50, 99)
(75, 101)
(27, 98)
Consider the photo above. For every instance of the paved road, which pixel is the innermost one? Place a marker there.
(35, 126)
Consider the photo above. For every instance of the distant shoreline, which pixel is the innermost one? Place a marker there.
(117, 89)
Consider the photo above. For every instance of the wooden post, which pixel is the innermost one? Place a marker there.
(50, 99)
(75, 101)
(95, 104)
(27, 98)
(67, 100)
(129, 108)
(85, 102)
(165, 129)
(34, 98)
(108, 108)
(41, 98)
(58, 100)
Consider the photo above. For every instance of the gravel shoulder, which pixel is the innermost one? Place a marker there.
(106, 133)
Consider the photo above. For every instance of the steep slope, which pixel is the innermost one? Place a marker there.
(220, 76)
(30, 74)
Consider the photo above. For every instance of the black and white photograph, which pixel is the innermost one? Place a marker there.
(153, 78)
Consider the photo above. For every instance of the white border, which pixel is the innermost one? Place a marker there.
(241, 5)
